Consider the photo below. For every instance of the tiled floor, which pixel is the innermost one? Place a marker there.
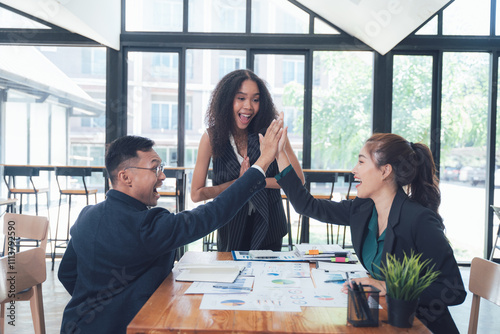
(55, 298)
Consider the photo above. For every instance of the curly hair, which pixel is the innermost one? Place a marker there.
(412, 164)
(219, 118)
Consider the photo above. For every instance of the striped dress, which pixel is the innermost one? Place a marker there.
(268, 215)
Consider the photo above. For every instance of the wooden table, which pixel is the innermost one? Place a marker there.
(169, 310)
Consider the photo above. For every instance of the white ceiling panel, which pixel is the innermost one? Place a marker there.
(381, 24)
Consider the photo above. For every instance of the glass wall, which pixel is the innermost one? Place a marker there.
(463, 151)
(464, 17)
(52, 113)
(204, 69)
(412, 98)
(217, 16)
(342, 104)
(284, 75)
(153, 15)
(278, 17)
(279, 45)
(341, 120)
(153, 95)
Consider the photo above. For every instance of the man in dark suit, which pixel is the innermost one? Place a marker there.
(121, 250)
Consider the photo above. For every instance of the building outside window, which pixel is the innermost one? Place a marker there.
(164, 116)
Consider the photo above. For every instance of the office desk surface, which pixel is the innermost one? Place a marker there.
(169, 310)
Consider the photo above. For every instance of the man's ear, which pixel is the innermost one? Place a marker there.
(124, 178)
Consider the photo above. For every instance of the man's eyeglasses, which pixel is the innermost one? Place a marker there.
(158, 170)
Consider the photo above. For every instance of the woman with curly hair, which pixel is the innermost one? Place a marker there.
(240, 108)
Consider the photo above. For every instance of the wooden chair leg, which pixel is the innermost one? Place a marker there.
(2, 318)
(36, 303)
(474, 314)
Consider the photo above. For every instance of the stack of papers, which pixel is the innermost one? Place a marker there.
(212, 272)
(266, 255)
(302, 252)
(333, 253)
(272, 286)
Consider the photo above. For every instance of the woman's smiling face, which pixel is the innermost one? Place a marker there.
(369, 175)
(246, 104)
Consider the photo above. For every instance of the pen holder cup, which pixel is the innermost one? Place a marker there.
(362, 306)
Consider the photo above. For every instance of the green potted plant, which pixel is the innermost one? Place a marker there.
(405, 281)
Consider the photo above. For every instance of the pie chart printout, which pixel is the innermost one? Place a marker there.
(283, 281)
(233, 302)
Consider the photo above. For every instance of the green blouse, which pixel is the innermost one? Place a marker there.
(373, 246)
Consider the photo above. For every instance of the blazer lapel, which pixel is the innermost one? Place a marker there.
(393, 221)
(361, 215)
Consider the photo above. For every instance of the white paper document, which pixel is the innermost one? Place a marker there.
(240, 285)
(211, 272)
(250, 302)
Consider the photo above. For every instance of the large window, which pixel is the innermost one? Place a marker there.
(153, 98)
(57, 106)
(342, 103)
(217, 16)
(164, 116)
(465, 17)
(463, 151)
(205, 70)
(278, 16)
(154, 15)
(412, 98)
(284, 75)
(282, 43)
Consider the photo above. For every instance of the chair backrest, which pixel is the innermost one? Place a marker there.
(322, 177)
(24, 226)
(30, 269)
(73, 172)
(178, 175)
(11, 172)
(20, 171)
(484, 282)
(349, 179)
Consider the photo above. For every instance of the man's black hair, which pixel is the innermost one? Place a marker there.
(123, 149)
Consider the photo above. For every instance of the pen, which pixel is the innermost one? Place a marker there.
(232, 287)
(334, 280)
(364, 303)
(354, 299)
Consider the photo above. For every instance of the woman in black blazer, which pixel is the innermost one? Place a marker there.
(395, 212)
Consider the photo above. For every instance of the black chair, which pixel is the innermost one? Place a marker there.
(288, 222)
(320, 177)
(13, 173)
(210, 240)
(70, 174)
(179, 193)
(179, 176)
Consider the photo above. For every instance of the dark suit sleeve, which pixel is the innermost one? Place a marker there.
(430, 240)
(67, 269)
(163, 231)
(305, 204)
